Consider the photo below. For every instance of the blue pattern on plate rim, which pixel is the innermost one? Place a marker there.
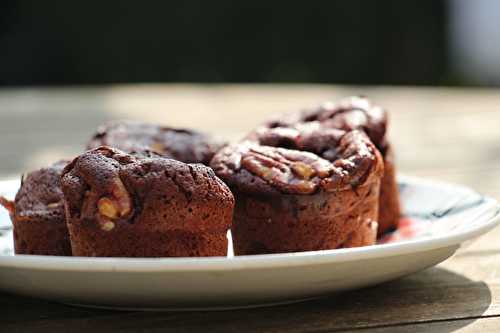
(433, 209)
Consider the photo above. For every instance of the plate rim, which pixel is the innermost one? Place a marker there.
(279, 260)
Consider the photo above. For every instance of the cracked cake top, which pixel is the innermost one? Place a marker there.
(40, 196)
(114, 188)
(302, 159)
(183, 145)
(351, 113)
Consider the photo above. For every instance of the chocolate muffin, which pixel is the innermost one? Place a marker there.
(37, 214)
(349, 114)
(183, 145)
(120, 205)
(290, 198)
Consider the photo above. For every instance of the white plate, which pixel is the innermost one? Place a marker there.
(444, 216)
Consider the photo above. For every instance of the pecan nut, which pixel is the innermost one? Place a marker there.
(295, 171)
(108, 208)
(114, 206)
(122, 198)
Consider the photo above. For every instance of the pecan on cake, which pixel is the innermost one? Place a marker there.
(359, 113)
(301, 189)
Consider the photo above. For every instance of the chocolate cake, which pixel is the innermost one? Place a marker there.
(302, 188)
(121, 205)
(37, 214)
(183, 145)
(349, 114)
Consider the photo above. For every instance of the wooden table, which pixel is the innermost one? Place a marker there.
(445, 134)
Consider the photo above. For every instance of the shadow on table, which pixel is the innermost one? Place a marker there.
(430, 297)
(436, 294)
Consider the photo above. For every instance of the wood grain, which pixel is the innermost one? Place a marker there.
(485, 325)
(446, 134)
